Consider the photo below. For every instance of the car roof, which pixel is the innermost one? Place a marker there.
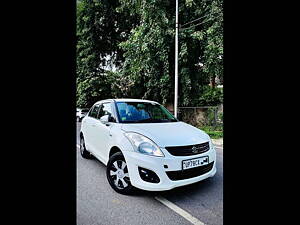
(127, 100)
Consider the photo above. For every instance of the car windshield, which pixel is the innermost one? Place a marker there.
(143, 112)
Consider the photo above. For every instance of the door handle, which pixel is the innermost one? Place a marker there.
(93, 125)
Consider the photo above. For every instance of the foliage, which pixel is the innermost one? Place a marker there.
(100, 29)
(213, 132)
(210, 96)
(200, 48)
(137, 37)
(149, 51)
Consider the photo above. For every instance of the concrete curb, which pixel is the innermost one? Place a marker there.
(218, 142)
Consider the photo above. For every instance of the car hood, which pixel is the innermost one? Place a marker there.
(169, 134)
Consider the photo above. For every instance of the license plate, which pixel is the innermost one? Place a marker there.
(191, 163)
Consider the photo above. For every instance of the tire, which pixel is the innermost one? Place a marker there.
(118, 178)
(83, 152)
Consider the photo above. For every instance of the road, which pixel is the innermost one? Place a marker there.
(99, 204)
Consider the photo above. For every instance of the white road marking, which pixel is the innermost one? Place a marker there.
(179, 211)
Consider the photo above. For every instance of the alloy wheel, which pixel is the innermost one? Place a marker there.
(119, 174)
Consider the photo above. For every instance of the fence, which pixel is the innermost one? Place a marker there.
(211, 116)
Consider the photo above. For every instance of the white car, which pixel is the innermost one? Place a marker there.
(144, 146)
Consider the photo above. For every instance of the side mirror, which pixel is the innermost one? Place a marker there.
(104, 119)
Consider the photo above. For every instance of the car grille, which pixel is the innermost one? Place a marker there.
(188, 149)
(189, 173)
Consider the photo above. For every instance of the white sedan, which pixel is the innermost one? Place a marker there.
(144, 146)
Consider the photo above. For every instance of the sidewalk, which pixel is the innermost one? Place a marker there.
(218, 142)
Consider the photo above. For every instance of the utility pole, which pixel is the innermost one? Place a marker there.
(176, 63)
(176, 52)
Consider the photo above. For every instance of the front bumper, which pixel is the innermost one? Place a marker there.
(156, 164)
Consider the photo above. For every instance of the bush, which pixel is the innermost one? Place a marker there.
(213, 132)
(210, 96)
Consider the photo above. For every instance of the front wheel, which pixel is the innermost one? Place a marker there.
(117, 174)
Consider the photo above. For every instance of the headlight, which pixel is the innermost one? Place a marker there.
(143, 145)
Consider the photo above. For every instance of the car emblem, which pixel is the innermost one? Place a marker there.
(195, 149)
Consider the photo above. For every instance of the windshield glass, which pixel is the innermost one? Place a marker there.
(143, 112)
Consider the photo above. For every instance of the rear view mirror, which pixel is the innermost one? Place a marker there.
(104, 119)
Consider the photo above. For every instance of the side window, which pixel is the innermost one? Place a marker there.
(93, 113)
(107, 109)
(101, 113)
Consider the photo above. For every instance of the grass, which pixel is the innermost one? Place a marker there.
(213, 132)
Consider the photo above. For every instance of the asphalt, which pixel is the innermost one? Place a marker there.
(99, 204)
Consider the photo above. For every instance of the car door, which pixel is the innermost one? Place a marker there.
(89, 124)
(102, 144)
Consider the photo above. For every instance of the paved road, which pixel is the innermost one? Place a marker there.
(98, 204)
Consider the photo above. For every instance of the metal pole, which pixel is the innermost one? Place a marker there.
(176, 63)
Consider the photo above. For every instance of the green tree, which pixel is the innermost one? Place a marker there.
(137, 37)
(100, 29)
(149, 51)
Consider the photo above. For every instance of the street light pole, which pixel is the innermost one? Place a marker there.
(176, 63)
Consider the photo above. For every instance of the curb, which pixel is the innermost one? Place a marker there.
(218, 142)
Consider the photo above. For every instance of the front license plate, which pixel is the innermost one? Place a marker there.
(191, 163)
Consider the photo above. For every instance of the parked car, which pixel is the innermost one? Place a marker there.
(80, 113)
(144, 146)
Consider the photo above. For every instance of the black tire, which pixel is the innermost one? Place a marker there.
(113, 180)
(83, 152)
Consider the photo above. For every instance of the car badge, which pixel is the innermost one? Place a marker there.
(194, 149)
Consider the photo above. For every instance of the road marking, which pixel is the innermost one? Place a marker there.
(179, 211)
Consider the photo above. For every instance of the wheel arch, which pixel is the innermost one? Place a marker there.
(81, 134)
(114, 150)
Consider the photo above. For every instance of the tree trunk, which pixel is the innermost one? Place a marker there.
(213, 81)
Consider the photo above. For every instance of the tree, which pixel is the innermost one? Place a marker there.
(137, 37)
(149, 51)
(100, 29)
